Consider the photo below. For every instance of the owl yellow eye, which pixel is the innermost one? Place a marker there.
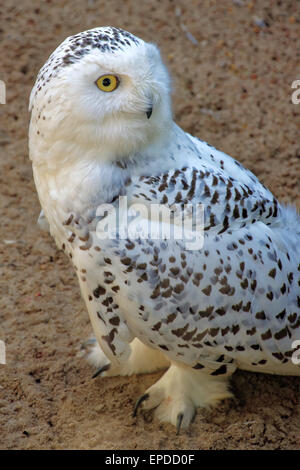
(107, 82)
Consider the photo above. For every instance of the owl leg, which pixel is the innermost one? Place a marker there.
(142, 359)
(180, 391)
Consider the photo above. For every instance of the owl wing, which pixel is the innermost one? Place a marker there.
(232, 294)
(228, 204)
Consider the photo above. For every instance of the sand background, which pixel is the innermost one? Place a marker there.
(232, 87)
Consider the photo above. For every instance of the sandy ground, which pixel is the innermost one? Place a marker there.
(232, 87)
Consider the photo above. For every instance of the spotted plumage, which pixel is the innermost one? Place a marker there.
(153, 302)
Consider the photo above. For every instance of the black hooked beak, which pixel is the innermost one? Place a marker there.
(149, 112)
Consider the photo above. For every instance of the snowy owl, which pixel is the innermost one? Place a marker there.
(101, 129)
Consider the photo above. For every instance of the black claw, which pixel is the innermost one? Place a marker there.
(100, 370)
(194, 416)
(139, 402)
(179, 421)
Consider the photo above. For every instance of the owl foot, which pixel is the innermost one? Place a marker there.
(176, 396)
(142, 359)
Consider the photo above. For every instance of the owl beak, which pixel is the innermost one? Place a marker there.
(149, 112)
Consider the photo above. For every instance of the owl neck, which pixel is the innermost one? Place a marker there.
(77, 184)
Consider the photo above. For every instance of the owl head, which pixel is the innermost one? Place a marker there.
(102, 94)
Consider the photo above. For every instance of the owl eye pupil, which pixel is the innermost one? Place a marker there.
(106, 82)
